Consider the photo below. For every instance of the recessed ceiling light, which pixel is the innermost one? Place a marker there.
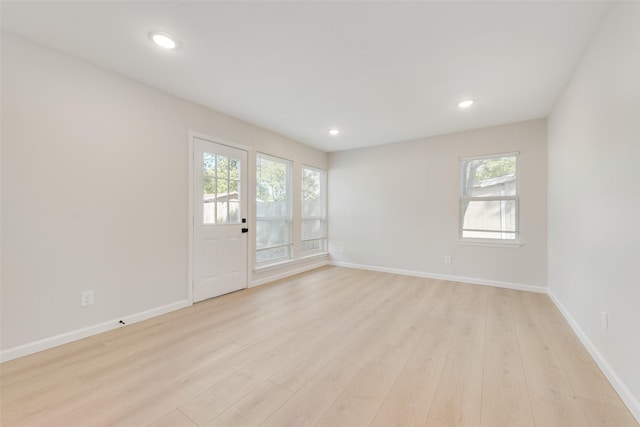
(163, 40)
(334, 132)
(466, 103)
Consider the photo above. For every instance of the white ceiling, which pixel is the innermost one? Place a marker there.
(379, 71)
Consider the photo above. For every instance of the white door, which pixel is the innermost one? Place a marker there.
(219, 223)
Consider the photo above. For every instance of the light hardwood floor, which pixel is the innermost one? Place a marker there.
(333, 347)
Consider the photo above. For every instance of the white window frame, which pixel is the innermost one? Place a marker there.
(323, 192)
(289, 219)
(462, 199)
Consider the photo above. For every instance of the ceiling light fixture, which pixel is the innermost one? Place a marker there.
(466, 103)
(334, 132)
(163, 40)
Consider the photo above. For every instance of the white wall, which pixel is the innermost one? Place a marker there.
(94, 191)
(594, 195)
(396, 206)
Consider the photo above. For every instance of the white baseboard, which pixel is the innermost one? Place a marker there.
(471, 280)
(288, 273)
(67, 337)
(78, 334)
(620, 387)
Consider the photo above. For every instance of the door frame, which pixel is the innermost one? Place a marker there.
(191, 214)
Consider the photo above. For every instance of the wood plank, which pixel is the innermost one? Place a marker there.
(409, 399)
(303, 368)
(334, 346)
(459, 397)
(505, 396)
(254, 408)
(601, 414)
(307, 406)
(584, 376)
(367, 346)
(40, 408)
(174, 418)
(552, 399)
(360, 402)
(215, 400)
(142, 403)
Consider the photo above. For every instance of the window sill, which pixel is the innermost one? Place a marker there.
(278, 264)
(491, 243)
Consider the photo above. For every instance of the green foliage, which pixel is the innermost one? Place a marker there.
(481, 169)
(493, 168)
(271, 180)
(221, 174)
(310, 184)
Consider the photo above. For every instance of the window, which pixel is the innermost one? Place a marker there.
(489, 197)
(273, 208)
(221, 189)
(314, 215)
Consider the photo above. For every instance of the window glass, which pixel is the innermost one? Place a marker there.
(273, 208)
(314, 221)
(220, 189)
(489, 197)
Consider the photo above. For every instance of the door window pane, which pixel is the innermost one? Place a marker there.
(234, 212)
(234, 169)
(219, 189)
(222, 167)
(209, 164)
(222, 212)
(233, 189)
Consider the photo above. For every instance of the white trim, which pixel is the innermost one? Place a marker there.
(620, 387)
(490, 156)
(315, 168)
(275, 262)
(288, 273)
(78, 334)
(490, 242)
(191, 218)
(273, 158)
(275, 265)
(471, 280)
(194, 134)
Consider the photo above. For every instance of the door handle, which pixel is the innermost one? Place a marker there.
(245, 230)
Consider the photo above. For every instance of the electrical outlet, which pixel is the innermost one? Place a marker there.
(86, 298)
(604, 320)
(447, 259)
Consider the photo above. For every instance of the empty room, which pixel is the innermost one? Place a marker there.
(331, 213)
